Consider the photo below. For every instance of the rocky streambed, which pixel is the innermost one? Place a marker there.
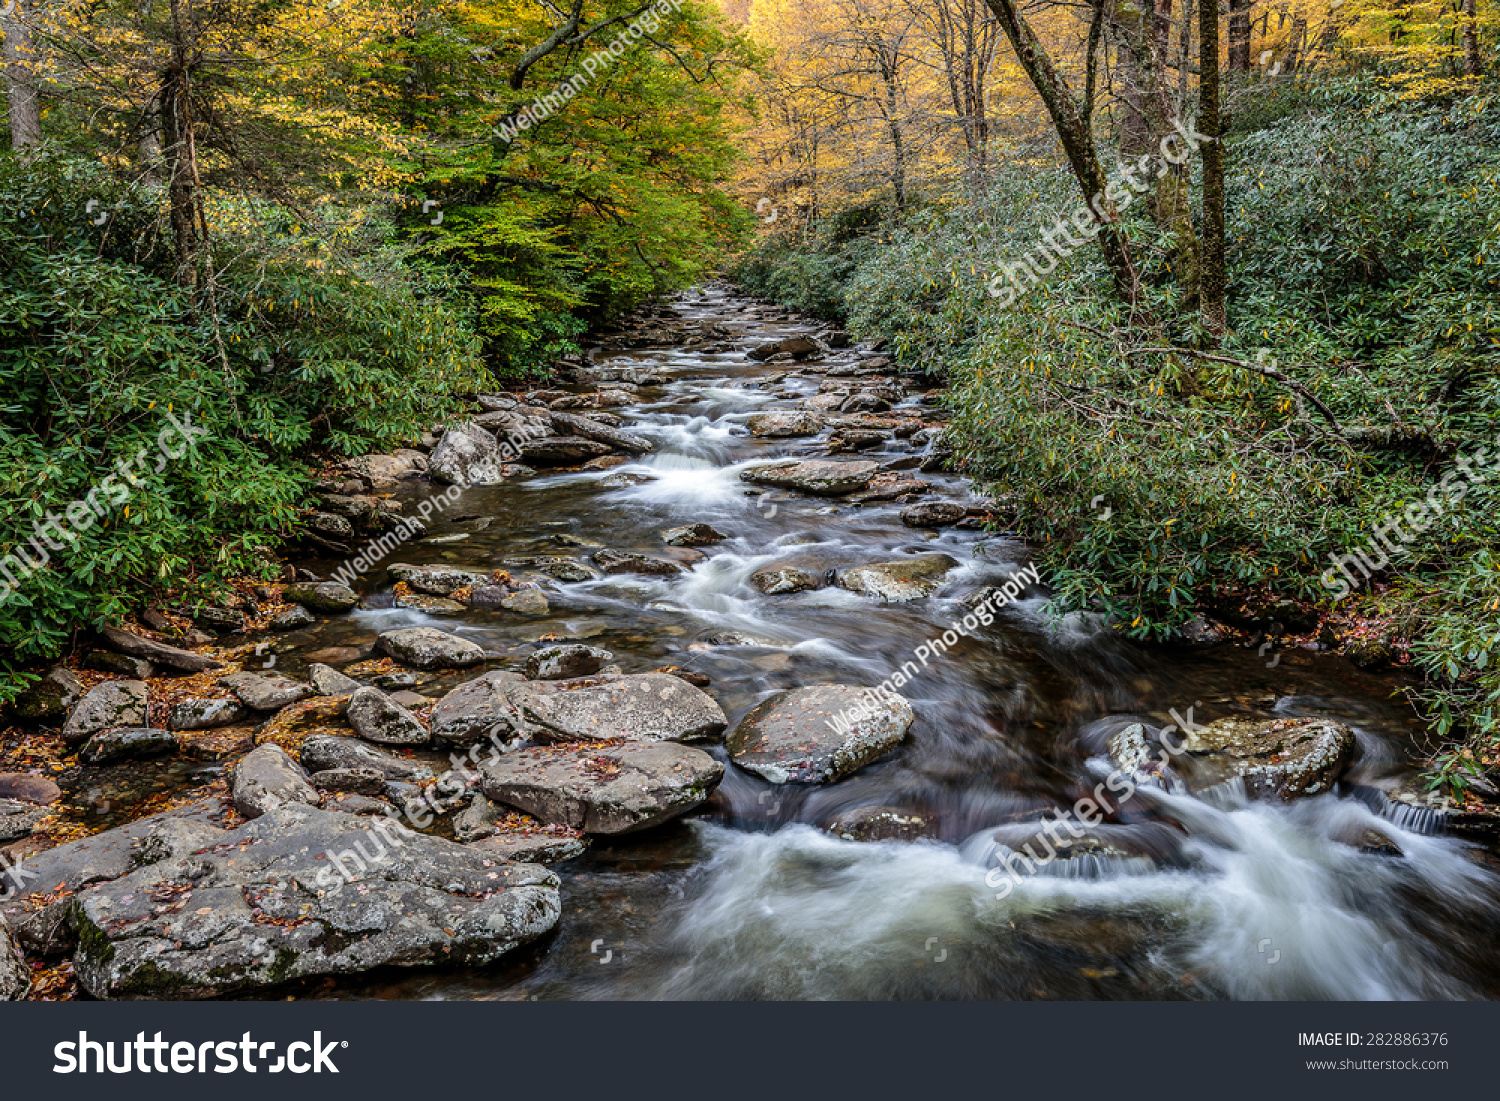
(698, 675)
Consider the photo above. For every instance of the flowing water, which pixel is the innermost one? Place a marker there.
(751, 898)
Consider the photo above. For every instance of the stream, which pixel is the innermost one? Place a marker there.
(750, 897)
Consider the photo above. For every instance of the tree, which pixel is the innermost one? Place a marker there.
(1213, 278)
(21, 78)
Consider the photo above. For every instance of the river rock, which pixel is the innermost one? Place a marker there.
(378, 718)
(127, 744)
(331, 526)
(266, 904)
(562, 450)
(612, 561)
(266, 778)
(824, 478)
(693, 535)
(432, 605)
(784, 425)
(818, 734)
(54, 694)
(478, 710)
(932, 514)
(15, 976)
(567, 425)
(387, 468)
(477, 820)
(532, 602)
(640, 707)
(18, 819)
(428, 648)
(292, 618)
(201, 714)
(798, 347)
(121, 665)
(113, 703)
(467, 455)
(566, 662)
(160, 653)
(775, 580)
(327, 752)
(322, 596)
(562, 569)
(900, 580)
(265, 691)
(604, 789)
(327, 681)
(436, 580)
(1286, 758)
(355, 781)
(879, 824)
(625, 479)
(29, 789)
(532, 847)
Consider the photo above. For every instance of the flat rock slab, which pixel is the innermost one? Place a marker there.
(303, 892)
(901, 580)
(162, 654)
(265, 692)
(604, 789)
(113, 703)
(821, 477)
(783, 425)
(329, 751)
(640, 707)
(429, 648)
(204, 714)
(1285, 758)
(818, 734)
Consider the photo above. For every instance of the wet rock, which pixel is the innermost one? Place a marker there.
(1286, 758)
(797, 347)
(1368, 653)
(436, 580)
(604, 789)
(122, 665)
(612, 562)
(127, 744)
(1201, 632)
(625, 479)
(322, 596)
(428, 648)
(693, 535)
(562, 450)
(889, 487)
(478, 710)
(532, 602)
(50, 696)
(562, 569)
(785, 425)
(818, 734)
(220, 743)
(432, 605)
(15, 976)
(569, 426)
(26, 788)
(358, 781)
(641, 707)
(201, 714)
(267, 778)
(467, 455)
(326, 752)
(292, 618)
(267, 904)
(932, 514)
(532, 848)
(775, 580)
(880, 824)
(857, 439)
(900, 580)
(824, 478)
(327, 681)
(113, 703)
(378, 718)
(265, 692)
(566, 662)
(331, 526)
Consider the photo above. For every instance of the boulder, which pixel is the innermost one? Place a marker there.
(784, 425)
(1285, 758)
(532, 602)
(903, 579)
(378, 718)
(26, 788)
(562, 450)
(127, 744)
(18, 819)
(386, 468)
(322, 596)
(429, 648)
(797, 347)
(161, 654)
(604, 789)
(328, 752)
(478, 710)
(932, 514)
(265, 691)
(640, 707)
(327, 681)
(879, 824)
(292, 618)
(562, 569)
(15, 976)
(693, 535)
(775, 580)
(818, 734)
(535, 847)
(302, 892)
(824, 478)
(53, 695)
(121, 665)
(467, 455)
(266, 778)
(331, 526)
(201, 714)
(612, 561)
(566, 424)
(357, 781)
(566, 662)
(437, 580)
(113, 703)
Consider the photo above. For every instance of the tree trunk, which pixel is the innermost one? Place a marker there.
(1077, 142)
(1239, 36)
(1471, 39)
(176, 119)
(1212, 279)
(23, 86)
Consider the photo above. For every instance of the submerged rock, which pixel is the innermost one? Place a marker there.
(817, 734)
(604, 789)
(303, 892)
(900, 580)
(879, 824)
